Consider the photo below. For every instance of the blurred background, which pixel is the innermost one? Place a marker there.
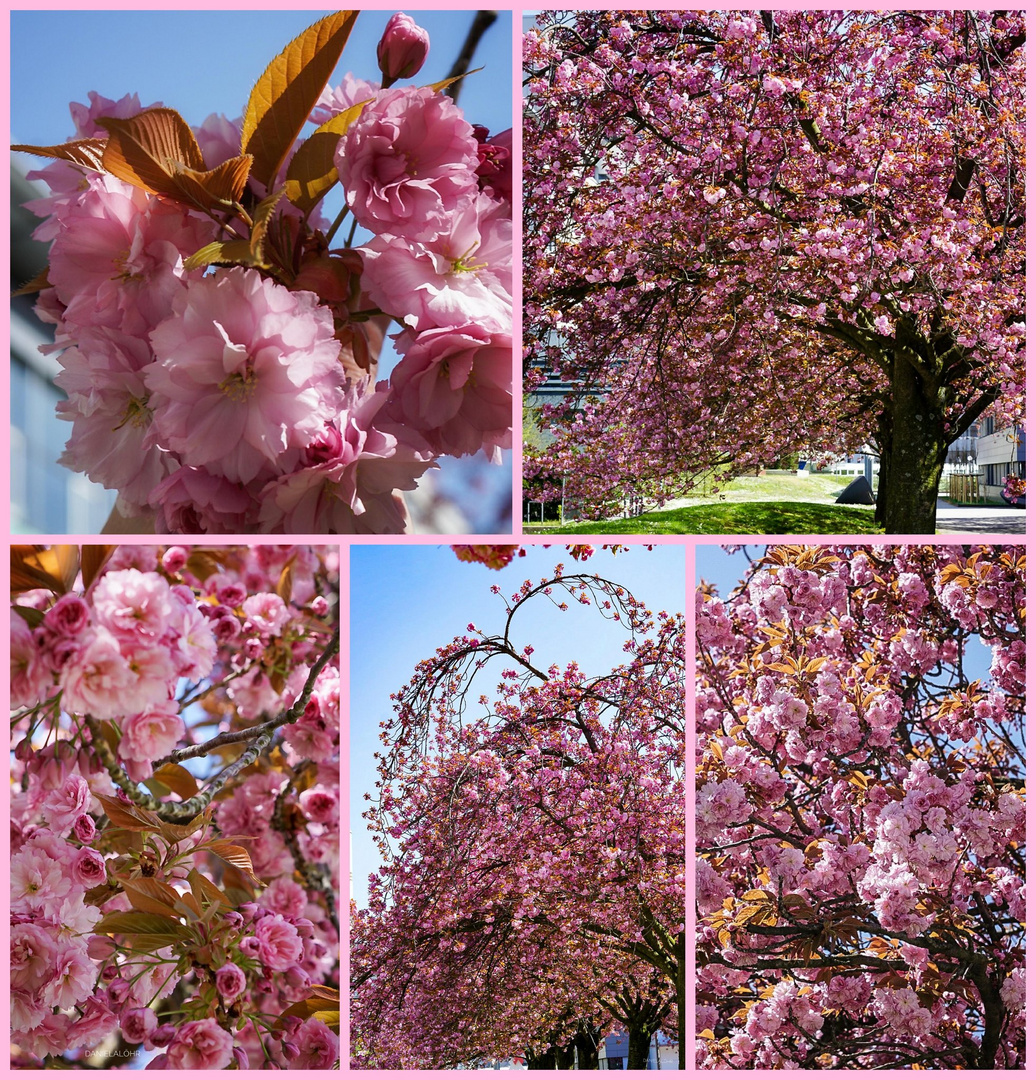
(197, 62)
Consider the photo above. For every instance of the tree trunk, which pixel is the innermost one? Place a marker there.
(587, 1043)
(884, 469)
(681, 1002)
(912, 464)
(640, 1046)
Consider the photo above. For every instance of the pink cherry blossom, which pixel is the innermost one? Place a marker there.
(245, 371)
(279, 945)
(407, 163)
(454, 386)
(200, 1044)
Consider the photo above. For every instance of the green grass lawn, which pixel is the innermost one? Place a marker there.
(771, 504)
(734, 518)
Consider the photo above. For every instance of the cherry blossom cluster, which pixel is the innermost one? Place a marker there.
(750, 234)
(220, 367)
(860, 814)
(147, 916)
(532, 890)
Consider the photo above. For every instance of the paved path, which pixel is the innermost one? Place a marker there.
(978, 519)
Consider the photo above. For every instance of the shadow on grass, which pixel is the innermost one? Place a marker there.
(733, 518)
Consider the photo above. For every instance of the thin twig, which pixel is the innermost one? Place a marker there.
(226, 738)
(479, 25)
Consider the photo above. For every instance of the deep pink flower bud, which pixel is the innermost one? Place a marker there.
(232, 594)
(226, 628)
(296, 977)
(250, 947)
(68, 617)
(84, 828)
(215, 611)
(241, 1057)
(402, 50)
(174, 559)
(291, 1050)
(88, 868)
(138, 1024)
(100, 948)
(163, 1036)
(325, 447)
(230, 982)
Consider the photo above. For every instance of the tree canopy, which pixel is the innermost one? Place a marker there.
(860, 814)
(749, 234)
(532, 893)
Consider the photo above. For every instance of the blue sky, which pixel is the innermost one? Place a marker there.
(200, 62)
(406, 600)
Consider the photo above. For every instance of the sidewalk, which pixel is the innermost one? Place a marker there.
(978, 519)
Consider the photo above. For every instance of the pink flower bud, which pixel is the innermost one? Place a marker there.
(174, 559)
(88, 868)
(402, 50)
(240, 1057)
(84, 828)
(291, 1050)
(232, 594)
(230, 982)
(250, 947)
(163, 1036)
(226, 628)
(100, 948)
(296, 977)
(138, 1024)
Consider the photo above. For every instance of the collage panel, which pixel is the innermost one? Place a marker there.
(274, 297)
(517, 807)
(860, 810)
(174, 807)
(773, 289)
(774, 271)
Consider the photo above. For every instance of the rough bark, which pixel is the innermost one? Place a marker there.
(587, 1045)
(911, 466)
(681, 1002)
(640, 1046)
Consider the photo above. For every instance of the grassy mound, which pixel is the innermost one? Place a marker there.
(734, 518)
